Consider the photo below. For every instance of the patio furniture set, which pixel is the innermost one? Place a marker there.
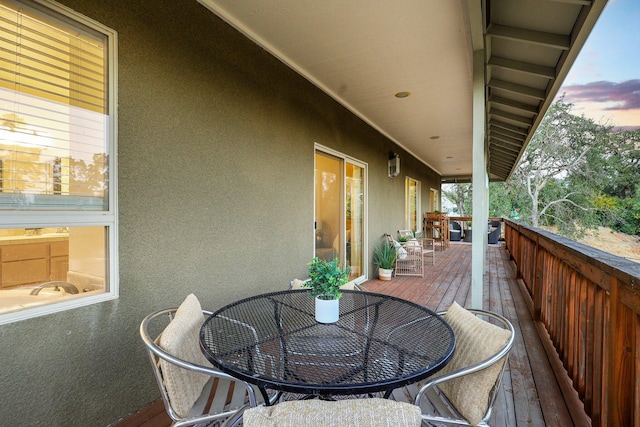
(460, 230)
(265, 361)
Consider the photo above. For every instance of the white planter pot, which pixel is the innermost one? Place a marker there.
(327, 310)
(384, 273)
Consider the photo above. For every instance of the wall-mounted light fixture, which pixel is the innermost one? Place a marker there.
(394, 165)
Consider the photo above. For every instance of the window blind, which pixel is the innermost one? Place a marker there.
(53, 112)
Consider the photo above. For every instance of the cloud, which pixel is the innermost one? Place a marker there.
(621, 96)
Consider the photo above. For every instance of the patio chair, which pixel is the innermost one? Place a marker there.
(191, 389)
(429, 247)
(494, 232)
(463, 393)
(408, 234)
(374, 412)
(455, 231)
(410, 261)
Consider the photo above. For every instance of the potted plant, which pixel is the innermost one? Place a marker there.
(325, 280)
(384, 256)
(468, 233)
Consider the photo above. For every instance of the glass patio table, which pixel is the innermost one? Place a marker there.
(379, 343)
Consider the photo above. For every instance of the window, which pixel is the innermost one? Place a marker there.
(340, 209)
(413, 209)
(58, 210)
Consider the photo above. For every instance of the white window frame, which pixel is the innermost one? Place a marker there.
(418, 209)
(365, 166)
(105, 218)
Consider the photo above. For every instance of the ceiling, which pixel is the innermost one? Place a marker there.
(364, 53)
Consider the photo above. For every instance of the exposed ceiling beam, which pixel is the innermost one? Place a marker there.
(500, 171)
(498, 130)
(518, 89)
(473, 17)
(528, 108)
(500, 168)
(506, 140)
(496, 112)
(510, 127)
(504, 147)
(456, 179)
(502, 162)
(557, 41)
(500, 159)
(523, 67)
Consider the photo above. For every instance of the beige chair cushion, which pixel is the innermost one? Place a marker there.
(181, 339)
(349, 286)
(297, 284)
(349, 412)
(476, 340)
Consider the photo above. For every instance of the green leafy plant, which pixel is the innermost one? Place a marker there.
(384, 255)
(403, 239)
(326, 278)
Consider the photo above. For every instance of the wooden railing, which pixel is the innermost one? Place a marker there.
(588, 302)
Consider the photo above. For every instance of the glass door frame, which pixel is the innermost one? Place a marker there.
(343, 223)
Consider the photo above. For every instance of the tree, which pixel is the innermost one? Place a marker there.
(460, 195)
(556, 170)
(621, 188)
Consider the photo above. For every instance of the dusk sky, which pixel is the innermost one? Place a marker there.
(604, 82)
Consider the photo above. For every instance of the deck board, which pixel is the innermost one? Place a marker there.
(530, 394)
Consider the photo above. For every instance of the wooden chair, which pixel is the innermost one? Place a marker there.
(436, 226)
(191, 389)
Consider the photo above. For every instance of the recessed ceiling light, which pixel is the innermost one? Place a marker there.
(435, 137)
(402, 94)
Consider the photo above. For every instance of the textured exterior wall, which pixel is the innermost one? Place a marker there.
(216, 145)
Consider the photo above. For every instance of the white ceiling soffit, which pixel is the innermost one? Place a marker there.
(363, 53)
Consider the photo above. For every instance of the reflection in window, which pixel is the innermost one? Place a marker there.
(412, 194)
(56, 149)
(53, 112)
(39, 266)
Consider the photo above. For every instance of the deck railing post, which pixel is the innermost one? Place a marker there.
(622, 360)
(537, 285)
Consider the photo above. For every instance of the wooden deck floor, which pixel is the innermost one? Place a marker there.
(530, 396)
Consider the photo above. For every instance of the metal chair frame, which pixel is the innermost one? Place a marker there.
(438, 400)
(221, 381)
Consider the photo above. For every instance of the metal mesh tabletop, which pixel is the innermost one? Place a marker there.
(378, 344)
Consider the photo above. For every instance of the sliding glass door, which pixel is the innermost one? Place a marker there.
(340, 210)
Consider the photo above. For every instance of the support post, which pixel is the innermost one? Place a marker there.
(480, 183)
